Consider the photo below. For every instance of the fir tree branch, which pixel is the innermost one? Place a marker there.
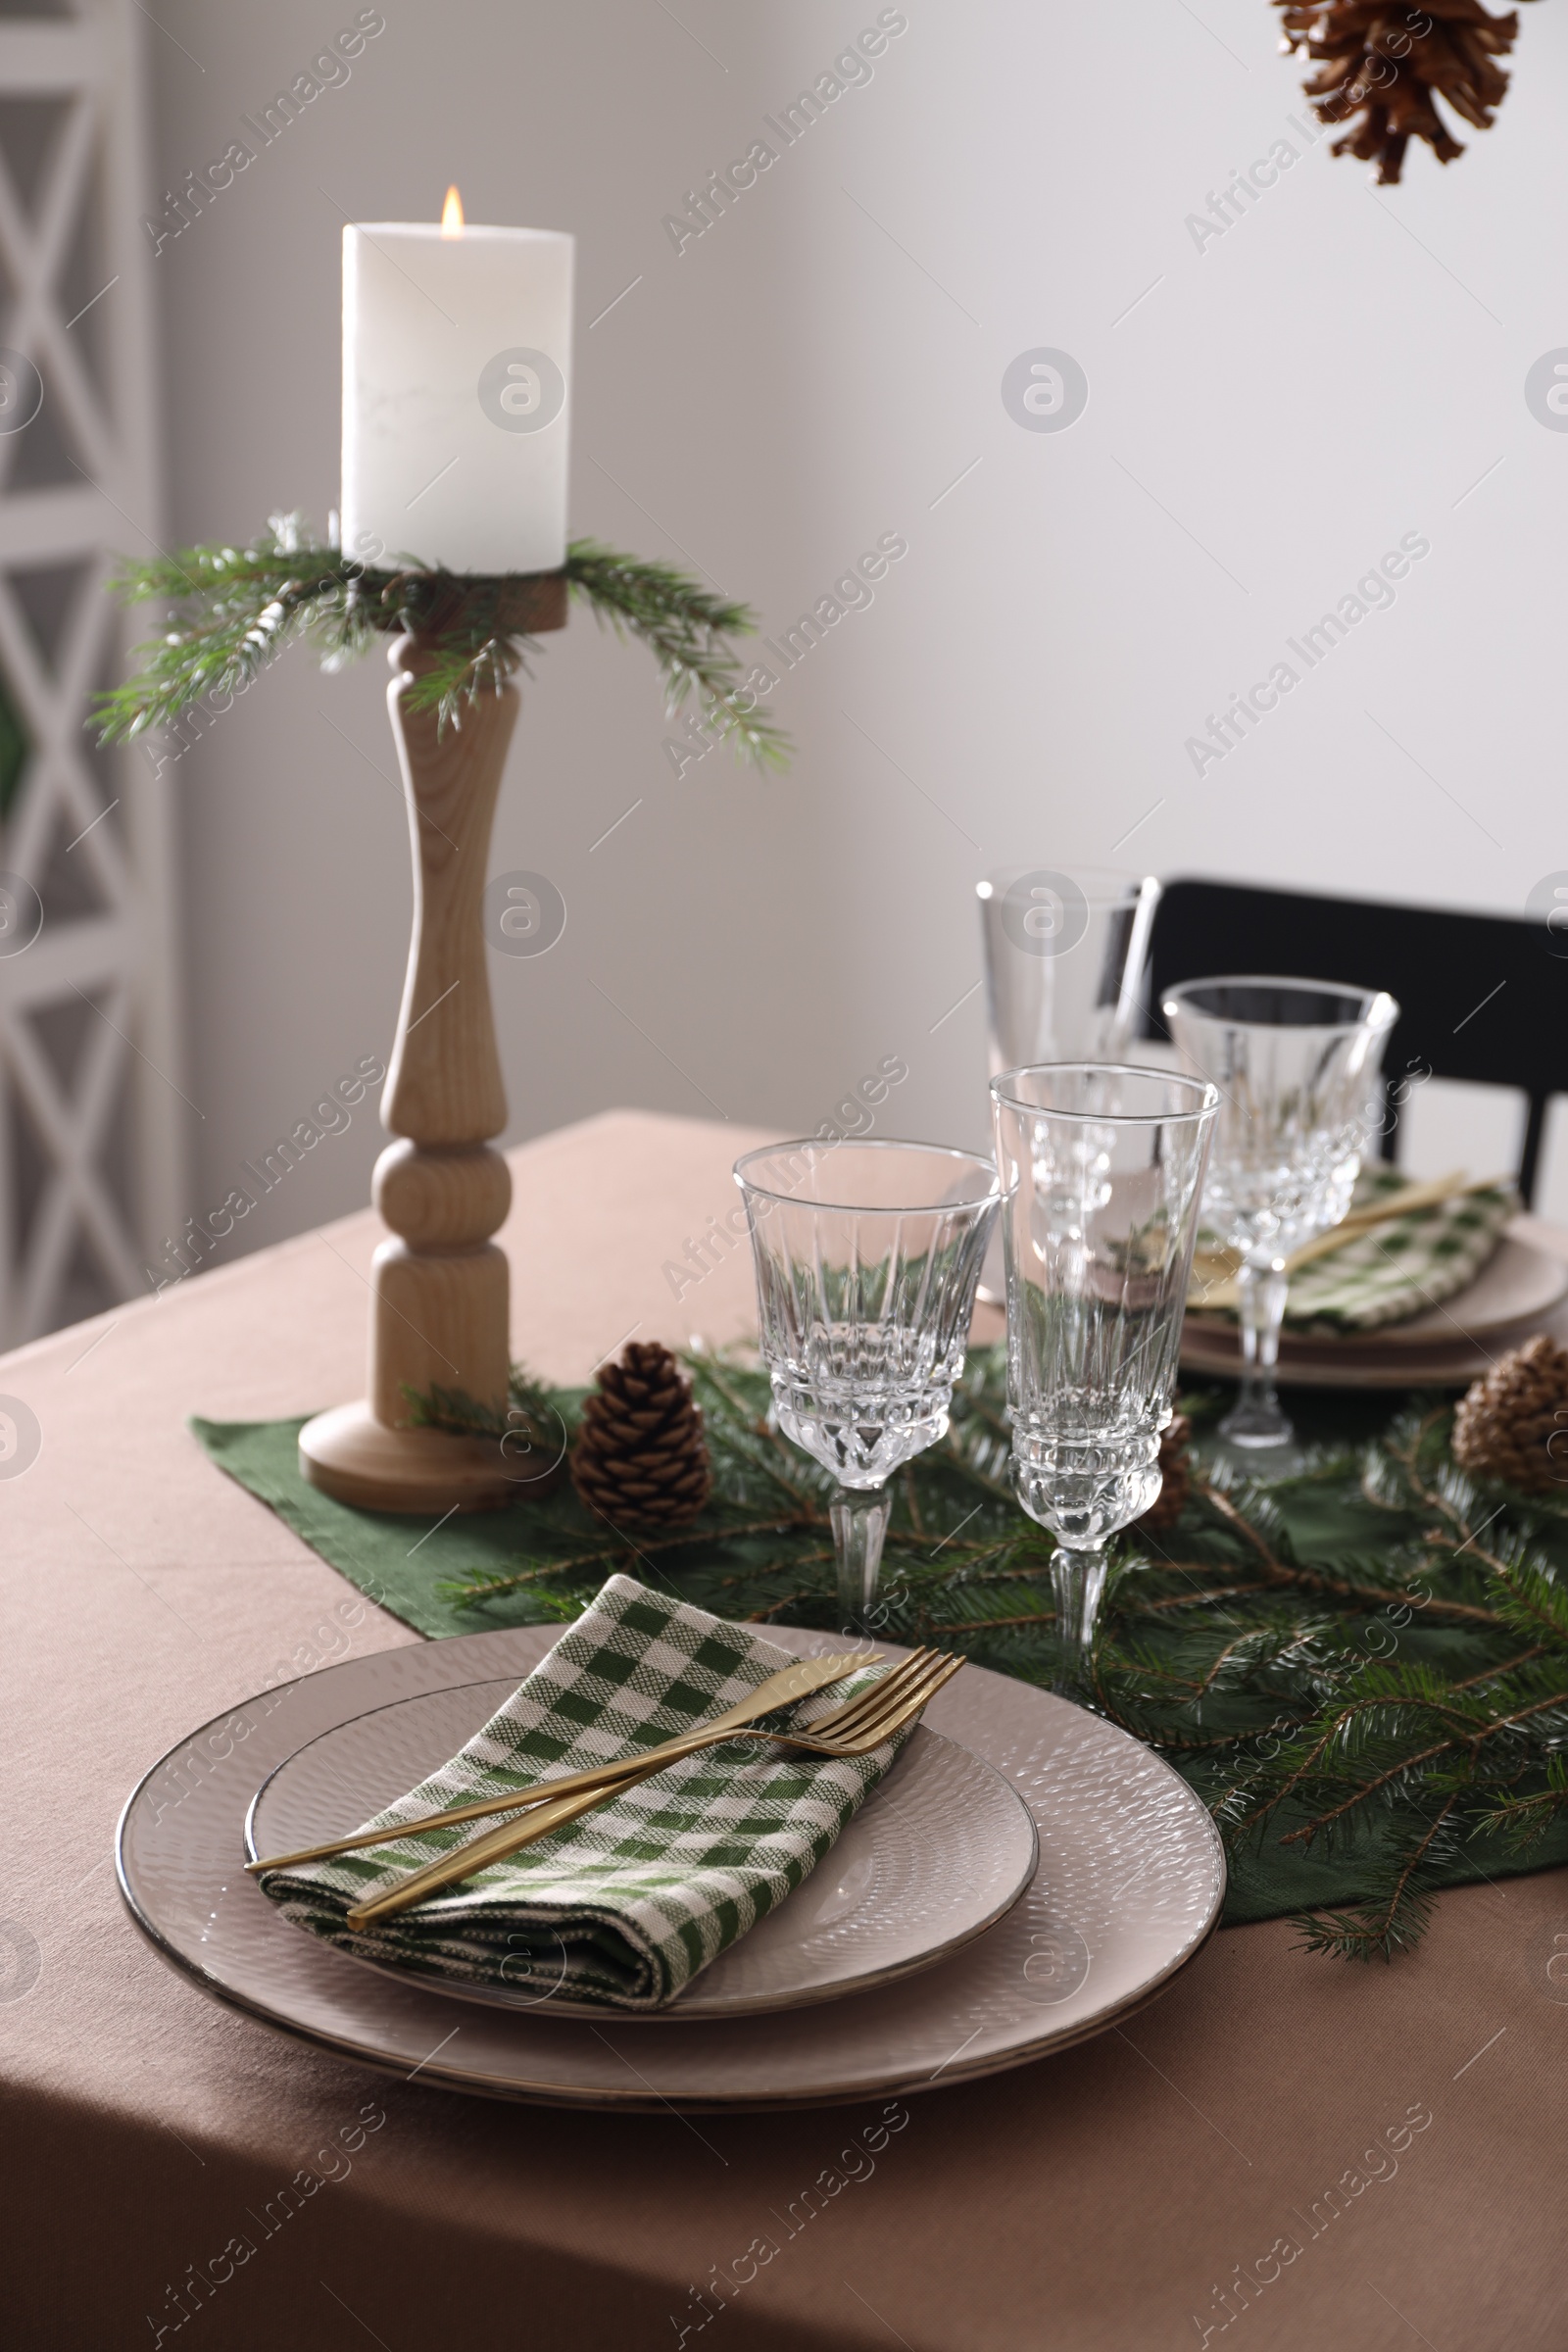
(232, 611)
(1370, 1595)
(1369, 1788)
(1367, 1934)
(989, 1625)
(492, 1587)
(1241, 1654)
(686, 630)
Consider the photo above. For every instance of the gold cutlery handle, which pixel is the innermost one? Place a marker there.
(494, 1845)
(498, 1845)
(785, 1688)
(534, 1797)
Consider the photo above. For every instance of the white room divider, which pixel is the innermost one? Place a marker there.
(92, 1112)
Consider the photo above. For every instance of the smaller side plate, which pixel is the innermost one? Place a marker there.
(937, 1853)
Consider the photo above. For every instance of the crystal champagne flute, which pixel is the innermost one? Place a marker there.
(1101, 1168)
(1066, 960)
(1066, 957)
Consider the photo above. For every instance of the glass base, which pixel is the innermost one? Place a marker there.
(1257, 1420)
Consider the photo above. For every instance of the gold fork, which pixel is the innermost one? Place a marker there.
(801, 1680)
(852, 1730)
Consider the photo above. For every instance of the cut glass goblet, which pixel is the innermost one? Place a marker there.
(866, 1258)
(1299, 1067)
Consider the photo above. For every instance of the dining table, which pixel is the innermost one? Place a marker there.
(1283, 2150)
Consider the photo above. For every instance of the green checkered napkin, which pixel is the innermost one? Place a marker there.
(1396, 1271)
(626, 1905)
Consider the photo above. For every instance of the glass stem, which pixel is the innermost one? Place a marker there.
(1078, 1580)
(859, 1516)
(1256, 1417)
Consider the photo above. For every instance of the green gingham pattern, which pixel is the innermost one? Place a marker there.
(1400, 1270)
(627, 1904)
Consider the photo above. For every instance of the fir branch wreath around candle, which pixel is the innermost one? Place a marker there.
(232, 611)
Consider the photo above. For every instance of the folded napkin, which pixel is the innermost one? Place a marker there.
(627, 1904)
(1395, 1271)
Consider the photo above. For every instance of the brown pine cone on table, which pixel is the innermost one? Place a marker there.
(641, 1459)
(1505, 1423)
(1176, 1474)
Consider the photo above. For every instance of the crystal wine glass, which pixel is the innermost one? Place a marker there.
(1101, 1170)
(867, 1259)
(1066, 965)
(1065, 960)
(1298, 1063)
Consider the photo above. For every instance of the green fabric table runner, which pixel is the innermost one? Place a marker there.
(402, 1564)
(396, 1561)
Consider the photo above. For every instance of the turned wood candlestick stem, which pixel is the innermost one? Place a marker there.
(439, 1313)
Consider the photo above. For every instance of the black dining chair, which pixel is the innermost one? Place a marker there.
(1482, 996)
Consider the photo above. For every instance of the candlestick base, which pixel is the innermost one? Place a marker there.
(357, 1459)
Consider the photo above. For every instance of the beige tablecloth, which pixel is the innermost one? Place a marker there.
(1098, 2200)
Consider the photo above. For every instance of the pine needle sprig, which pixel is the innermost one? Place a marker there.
(230, 612)
(1360, 1669)
(532, 1413)
(687, 632)
(1522, 1820)
(1379, 1929)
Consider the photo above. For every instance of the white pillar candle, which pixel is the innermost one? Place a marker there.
(457, 373)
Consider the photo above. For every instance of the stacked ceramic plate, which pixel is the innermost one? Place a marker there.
(1025, 1875)
(1516, 1294)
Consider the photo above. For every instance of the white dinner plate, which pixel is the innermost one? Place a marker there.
(1128, 1887)
(939, 1852)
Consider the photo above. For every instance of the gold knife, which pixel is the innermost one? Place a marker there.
(799, 1681)
(491, 1845)
(500, 1844)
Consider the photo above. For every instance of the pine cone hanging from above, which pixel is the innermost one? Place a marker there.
(1176, 1472)
(641, 1459)
(1505, 1424)
(1387, 64)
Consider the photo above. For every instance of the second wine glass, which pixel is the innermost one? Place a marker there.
(1297, 1064)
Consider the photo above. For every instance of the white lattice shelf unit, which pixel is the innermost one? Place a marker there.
(91, 1112)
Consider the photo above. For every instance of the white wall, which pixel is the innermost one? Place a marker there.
(1341, 367)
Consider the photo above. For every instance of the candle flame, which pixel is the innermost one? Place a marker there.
(452, 214)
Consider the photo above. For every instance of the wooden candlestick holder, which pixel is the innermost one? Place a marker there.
(440, 1292)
